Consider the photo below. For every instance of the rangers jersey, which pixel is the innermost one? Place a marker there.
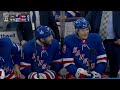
(48, 57)
(9, 55)
(88, 54)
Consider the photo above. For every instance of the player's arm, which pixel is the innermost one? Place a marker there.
(69, 64)
(15, 52)
(68, 60)
(57, 60)
(101, 61)
(2, 66)
(25, 65)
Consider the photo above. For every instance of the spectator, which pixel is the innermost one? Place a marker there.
(24, 29)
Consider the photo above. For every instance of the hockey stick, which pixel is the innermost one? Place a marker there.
(62, 27)
(34, 36)
(92, 52)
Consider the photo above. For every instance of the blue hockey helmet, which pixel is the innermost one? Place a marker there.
(81, 23)
(43, 32)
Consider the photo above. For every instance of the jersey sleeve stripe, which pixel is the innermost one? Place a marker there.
(104, 58)
(65, 65)
(59, 60)
(101, 56)
(68, 59)
(105, 61)
(25, 65)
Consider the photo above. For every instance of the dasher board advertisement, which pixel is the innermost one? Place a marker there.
(10, 34)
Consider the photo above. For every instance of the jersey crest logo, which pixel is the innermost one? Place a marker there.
(85, 61)
(75, 49)
(77, 53)
(44, 66)
(82, 56)
(41, 32)
(40, 62)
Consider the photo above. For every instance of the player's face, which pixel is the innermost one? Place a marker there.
(49, 39)
(83, 33)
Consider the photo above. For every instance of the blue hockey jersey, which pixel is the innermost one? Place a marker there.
(48, 57)
(9, 55)
(77, 53)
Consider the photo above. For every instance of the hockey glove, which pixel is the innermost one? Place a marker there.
(48, 74)
(82, 73)
(34, 75)
(95, 74)
(2, 74)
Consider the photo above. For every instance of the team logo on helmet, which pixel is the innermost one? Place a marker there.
(84, 25)
(41, 32)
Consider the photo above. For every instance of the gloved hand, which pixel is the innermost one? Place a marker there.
(34, 75)
(2, 74)
(95, 74)
(82, 73)
(48, 74)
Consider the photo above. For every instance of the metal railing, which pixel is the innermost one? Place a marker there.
(62, 19)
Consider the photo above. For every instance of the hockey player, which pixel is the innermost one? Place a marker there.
(41, 61)
(9, 59)
(83, 53)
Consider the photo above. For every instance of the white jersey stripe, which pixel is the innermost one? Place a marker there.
(101, 56)
(99, 61)
(65, 65)
(59, 60)
(68, 59)
(26, 64)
